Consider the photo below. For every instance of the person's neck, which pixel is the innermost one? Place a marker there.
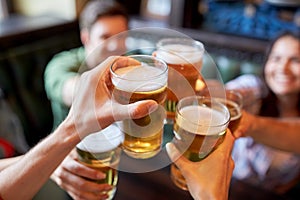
(288, 105)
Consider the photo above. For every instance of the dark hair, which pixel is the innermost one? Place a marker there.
(295, 35)
(95, 9)
(269, 103)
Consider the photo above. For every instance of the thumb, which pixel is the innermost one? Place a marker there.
(142, 108)
(238, 132)
(135, 110)
(175, 155)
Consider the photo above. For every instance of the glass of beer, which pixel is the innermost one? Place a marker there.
(200, 126)
(135, 78)
(234, 102)
(102, 151)
(184, 57)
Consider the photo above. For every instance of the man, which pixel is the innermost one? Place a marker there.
(22, 177)
(99, 20)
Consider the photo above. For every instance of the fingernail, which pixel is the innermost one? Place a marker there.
(108, 187)
(152, 107)
(103, 196)
(101, 176)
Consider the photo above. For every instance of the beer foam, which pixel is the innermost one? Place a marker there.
(202, 120)
(102, 141)
(138, 78)
(180, 54)
(234, 108)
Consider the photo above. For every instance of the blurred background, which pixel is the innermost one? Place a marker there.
(235, 34)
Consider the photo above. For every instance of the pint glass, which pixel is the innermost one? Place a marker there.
(234, 102)
(135, 78)
(184, 59)
(200, 126)
(102, 151)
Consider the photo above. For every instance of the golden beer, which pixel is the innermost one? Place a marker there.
(101, 151)
(184, 59)
(235, 114)
(234, 102)
(143, 136)
(199, 130)
(101, 162)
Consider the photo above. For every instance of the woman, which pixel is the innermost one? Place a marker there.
(258, 164)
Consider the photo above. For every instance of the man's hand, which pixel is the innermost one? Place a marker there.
(71, 174)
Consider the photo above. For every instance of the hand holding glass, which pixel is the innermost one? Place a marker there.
(200, 126)
(136, 78)
(102, 151)
(234, 102)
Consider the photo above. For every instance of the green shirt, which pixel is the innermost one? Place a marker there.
(62, 67)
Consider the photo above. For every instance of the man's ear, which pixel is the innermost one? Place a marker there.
(84, 36)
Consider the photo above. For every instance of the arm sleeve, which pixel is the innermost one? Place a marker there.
(62, 67)
(249, 82)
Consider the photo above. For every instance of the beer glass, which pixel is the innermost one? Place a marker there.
(102, 151)
(200, 126)
(136, 78)
(234, 102)
(184, 59)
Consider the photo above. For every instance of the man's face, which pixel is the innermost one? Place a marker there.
(97, 46)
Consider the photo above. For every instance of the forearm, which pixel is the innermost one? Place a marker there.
(208, 195)
(28, 174)
(4, 163)
(283, 134)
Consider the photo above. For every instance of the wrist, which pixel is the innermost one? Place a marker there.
(67, 133)
(211, 195)
(252, 124)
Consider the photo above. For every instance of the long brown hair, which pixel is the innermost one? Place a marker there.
(269, 103)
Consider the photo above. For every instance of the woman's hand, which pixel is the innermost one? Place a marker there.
(208, 178)
(246, 125)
